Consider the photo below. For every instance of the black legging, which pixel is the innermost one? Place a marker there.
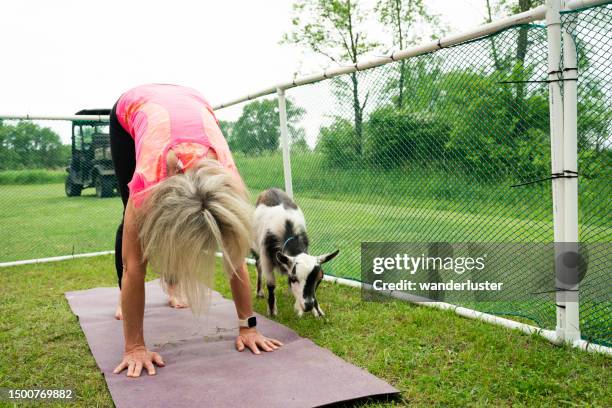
(123, 152)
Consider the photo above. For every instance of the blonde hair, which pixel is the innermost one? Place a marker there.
(185, 220)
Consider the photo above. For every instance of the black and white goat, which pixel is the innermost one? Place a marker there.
(281, 243)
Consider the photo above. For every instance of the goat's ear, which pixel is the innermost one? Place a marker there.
(328, 257)
(284, 259)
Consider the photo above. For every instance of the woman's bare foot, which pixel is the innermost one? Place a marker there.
(174, 300)
(118, 312)
(176, 303)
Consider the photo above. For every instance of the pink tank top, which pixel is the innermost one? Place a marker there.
(162, 117)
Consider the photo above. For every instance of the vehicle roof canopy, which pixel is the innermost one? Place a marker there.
(104, 112)
(93, 112)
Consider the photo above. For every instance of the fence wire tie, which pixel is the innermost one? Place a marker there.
(553, 176)
(440, 44)
(559, 73)
(555, 290)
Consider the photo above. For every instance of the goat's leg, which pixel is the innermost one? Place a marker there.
(267, 270)
(316, 310)
(260, 292)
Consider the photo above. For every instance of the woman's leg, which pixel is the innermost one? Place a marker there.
(123, 152)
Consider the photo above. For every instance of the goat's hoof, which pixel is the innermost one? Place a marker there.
(260, 294)
(318, 313)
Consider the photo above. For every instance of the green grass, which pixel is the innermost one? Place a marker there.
(34, 176)
(40, 221)
(434, 357)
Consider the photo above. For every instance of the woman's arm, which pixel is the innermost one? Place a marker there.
(132, 284)
(136, 355)
(241, 292)
(249, 337)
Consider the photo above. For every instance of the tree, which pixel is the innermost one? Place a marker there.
(400, 136)
(9, 159)
(226, 127)
(401, 17)
(338, 144)
(332, 28)
(491, 38)
(521, 46)
(514, 7)
(27, 145)
(482, 119)
(514, 65)
(258, 128)
(503, 8)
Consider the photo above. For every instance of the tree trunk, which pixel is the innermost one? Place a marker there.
(492, 39)
(400, 42)
(358, 113)
(356, 103)
(400, 98)
(521, 52)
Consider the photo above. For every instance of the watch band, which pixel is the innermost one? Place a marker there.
(247, 323)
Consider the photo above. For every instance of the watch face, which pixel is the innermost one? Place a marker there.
(252, 321)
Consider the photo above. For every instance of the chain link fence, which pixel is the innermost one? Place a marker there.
(442, 139)
(425, 150)
(445, 147)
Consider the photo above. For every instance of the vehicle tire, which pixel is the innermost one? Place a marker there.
(72, 189)
(104, 186)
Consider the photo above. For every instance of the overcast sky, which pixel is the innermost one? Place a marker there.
(60, 56)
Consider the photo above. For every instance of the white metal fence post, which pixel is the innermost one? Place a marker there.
(571, 324)
(564, 207)
(284, 135)
(553, 28)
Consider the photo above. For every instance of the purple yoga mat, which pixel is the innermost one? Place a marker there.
(203, 369)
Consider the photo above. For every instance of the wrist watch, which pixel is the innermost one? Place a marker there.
(248, 323)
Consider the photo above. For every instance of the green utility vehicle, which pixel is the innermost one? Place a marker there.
(91, 164)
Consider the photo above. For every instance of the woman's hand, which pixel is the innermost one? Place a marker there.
(138, 358)
(248, 337)
(254, 340)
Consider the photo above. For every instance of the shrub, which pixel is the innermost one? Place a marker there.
(395, 137)
(27, 145)
(339, 145)
(32, 176)
(495, 136)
